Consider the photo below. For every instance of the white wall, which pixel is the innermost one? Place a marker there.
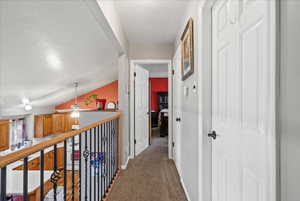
(88, 118)
(196, 108)
(29, 122)
(190, 122)
(158, 74)
(124, 105)
(110, 12)
(290, 100)
(151, 51)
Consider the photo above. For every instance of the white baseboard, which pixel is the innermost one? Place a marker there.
(185, 190)
(143, 149)
(123, 167)
(183, 185)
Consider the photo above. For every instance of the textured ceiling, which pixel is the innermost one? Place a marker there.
(47, 45)
(151, 21)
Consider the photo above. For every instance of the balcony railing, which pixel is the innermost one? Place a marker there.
(74, 166)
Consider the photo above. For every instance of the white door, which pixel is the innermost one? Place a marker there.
(141, 109)
(177, 107)
(243, 102)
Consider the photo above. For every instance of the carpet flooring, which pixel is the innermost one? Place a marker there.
(151, 176)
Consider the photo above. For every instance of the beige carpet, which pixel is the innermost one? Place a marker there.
(151, 176)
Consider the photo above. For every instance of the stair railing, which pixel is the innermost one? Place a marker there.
(79, 165)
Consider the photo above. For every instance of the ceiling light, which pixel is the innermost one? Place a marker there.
(28, 107)
(75, 107)
(53, 60)
(75, 114)
(25, 101)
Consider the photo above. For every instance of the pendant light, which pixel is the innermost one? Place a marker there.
(27, 104)
(75, 107)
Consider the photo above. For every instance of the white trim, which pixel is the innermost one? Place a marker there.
(183, 186)
(100, 18)
(132, 91)
(170, 110)
(273, 149)
(182, 183)
(144, 149)
(204, 22)
(124, 167)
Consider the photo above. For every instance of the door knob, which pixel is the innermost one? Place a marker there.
(178, 119)
(213, 135)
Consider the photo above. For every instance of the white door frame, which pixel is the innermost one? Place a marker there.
(204, 76)
(132, 104)
(205, 79)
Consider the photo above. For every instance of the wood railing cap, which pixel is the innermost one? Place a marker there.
(15, 156)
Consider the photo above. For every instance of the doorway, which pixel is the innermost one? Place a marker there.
(151, 104)
(177, 108)
(159, 105)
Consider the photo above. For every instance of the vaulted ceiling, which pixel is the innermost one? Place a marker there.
(47, 45)
(151, 21)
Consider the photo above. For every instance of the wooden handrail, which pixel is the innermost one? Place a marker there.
(15, 156)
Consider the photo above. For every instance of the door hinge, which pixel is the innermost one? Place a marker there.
(134, 141)
(173, 144)
(173, 72)
(134, 74)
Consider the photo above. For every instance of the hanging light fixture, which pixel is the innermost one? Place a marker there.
(27, 104)
(28, 107)
(75, 107)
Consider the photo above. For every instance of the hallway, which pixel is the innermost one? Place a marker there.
(150, 176)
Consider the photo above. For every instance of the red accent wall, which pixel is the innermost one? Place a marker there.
(108, 92)
(157, 85)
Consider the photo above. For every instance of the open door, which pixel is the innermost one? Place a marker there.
(177, 107)
(141, 100)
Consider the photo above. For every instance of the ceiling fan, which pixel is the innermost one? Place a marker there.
(75, 107)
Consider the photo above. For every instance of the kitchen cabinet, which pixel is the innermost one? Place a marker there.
(70, 122)
(39, 126)
(59, 123)
(50, 124)
(4, 135)
(43, 125)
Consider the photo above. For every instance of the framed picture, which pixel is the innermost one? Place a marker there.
(187, 50)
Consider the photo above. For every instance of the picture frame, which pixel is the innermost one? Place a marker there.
(187, 50)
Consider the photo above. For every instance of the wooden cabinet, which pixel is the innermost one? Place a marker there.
(59, 123)
(43, 125)
(39, 126)
(4, 135)
(69, 121)
(50, 124)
